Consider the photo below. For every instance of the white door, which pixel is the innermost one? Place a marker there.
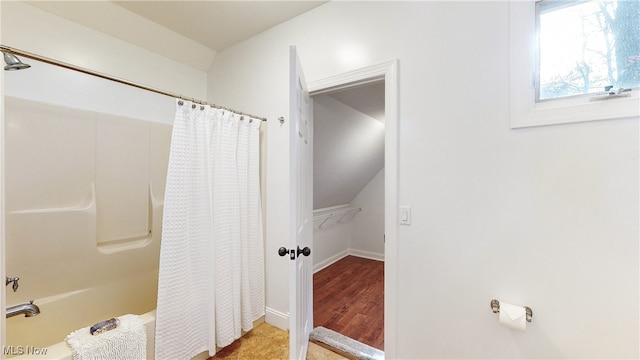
(301, 211)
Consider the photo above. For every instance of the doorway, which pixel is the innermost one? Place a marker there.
(385, 77)
(348, 162)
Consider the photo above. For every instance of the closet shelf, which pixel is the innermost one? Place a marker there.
(333, 215)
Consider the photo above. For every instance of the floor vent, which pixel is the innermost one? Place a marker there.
(344, 346)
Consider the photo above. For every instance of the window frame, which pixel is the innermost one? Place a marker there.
(525, 111)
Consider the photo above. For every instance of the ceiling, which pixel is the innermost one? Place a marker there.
(191, 32)
(348, 151)
(367, 99)
(348, 144)
(218, 24)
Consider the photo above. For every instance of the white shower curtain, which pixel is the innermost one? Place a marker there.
(211, 277)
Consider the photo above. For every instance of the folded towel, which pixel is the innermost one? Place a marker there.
(127, 342)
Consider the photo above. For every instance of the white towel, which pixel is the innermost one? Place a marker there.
(126, 342)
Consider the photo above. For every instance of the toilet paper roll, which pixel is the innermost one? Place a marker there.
(513, 316)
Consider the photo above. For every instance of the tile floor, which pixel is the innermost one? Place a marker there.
(267, 342)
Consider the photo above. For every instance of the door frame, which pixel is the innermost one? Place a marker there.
(387, 71)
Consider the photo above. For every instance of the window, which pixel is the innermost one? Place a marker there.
(588, 47)
(566, 57)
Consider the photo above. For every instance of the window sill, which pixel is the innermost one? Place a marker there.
(571, 111)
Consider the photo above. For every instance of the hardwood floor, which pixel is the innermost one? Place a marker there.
(348, 297)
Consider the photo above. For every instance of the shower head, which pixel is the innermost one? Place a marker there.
(13, 63)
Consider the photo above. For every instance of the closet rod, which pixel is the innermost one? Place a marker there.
(29, 55)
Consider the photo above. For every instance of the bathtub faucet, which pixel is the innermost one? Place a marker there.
(14, 281)
(28, 310)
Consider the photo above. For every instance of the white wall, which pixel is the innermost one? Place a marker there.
(367, 236)
(56, 85)
(545, 217)
(238, 83)
(358, 233)
(36, 31)
(331, 244)
(348, 151)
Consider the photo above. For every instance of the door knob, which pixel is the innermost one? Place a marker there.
(306, 251)
(283, 251)
(293, 253)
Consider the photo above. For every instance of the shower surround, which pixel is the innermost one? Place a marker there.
(84, 199)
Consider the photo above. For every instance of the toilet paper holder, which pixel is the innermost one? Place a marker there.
(495, 307)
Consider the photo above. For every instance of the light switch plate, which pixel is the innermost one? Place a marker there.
(405, 215)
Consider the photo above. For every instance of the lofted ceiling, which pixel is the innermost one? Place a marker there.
(348, 144)
(190, 32)
(367, 99)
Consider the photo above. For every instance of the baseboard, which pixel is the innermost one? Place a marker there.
(257, 322)
(323, 264)
(276, 318)
(366, 254)
(345, 253)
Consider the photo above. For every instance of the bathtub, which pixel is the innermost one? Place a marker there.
(61, 351)
(43, 336)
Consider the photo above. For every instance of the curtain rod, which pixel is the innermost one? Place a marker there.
(28, 55)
